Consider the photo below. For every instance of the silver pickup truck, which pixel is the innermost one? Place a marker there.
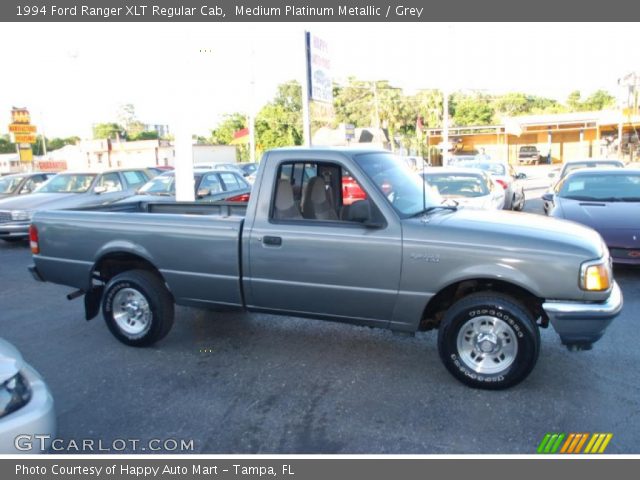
(344, 235)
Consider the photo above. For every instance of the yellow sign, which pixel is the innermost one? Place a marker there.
(20, 115)
(26, 155)
(25, 138)
(22, 128)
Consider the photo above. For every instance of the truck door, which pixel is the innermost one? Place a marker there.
(312, 250)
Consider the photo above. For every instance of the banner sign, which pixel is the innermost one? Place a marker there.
(319, 69)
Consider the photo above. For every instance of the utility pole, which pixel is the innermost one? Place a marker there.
(306, 117)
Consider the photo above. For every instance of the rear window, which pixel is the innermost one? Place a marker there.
(135, 178)
(458, 185)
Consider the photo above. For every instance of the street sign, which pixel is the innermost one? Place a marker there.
(26, 154)
(25, 138)
(349, 131)
(20, 115)
(22, 128)
(319, 65)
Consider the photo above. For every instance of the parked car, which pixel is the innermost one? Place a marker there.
(558, 174)
(22, 183)
(26, 404)
(607, 200)
(461, 157)
(209, 187)
(508, 179)
(469, 187)
(401, 259)
(529, 155)
(67, 190)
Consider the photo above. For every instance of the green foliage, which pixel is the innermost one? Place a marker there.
(6, 146)
(109, 130)
(144, 135)
(471, 109)
(279, 123)
(223, 134)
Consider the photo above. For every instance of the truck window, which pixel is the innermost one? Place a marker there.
(317, 191)
(111, 181)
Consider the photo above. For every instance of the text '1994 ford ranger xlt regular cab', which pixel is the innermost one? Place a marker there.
(397, 257)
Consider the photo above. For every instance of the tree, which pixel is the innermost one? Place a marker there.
(599, 100)
(469, 110)
(6, 146)
(144, 135)
(231, 123)
(279, 123)
(109, 130)
(573, 101)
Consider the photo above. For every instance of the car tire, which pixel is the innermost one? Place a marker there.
(489, 340)
(138, 308)
(520, 206)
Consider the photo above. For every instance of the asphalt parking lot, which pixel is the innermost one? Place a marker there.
(240, 383)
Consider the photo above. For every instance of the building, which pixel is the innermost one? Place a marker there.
(9, 163)
(560, 137)
(362, 137)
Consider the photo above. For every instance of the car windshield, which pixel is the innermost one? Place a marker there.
(570, 167)
(405, 189)
(249, 168)
(491, 167)
(623, 187)
(160, 185)
(10, 184)
(68, 183)
(458, 184)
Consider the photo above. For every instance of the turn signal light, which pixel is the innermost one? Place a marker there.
(596, 277)
(502, 183)
(33, 239)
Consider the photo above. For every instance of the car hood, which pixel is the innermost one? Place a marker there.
(11, 361)
(600, 215)
(471, 202)
(34, 201)
(513, 231)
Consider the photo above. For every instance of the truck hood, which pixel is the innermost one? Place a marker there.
(44, 201)
(511, 231)
(11, 361)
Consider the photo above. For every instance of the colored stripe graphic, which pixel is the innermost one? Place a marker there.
(573, 443)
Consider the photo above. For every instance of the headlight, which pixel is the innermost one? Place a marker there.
(21, 215)
(595, 276)
(14, 394)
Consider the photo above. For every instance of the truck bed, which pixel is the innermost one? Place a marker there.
(195, 246)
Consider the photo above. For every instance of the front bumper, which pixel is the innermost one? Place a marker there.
(19, 428)
(15, 230)
(580, 324)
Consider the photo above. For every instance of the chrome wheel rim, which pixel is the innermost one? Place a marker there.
(131, 312)
(487, 344)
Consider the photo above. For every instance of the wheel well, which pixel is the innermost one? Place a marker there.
(438, 305)
(113, 264)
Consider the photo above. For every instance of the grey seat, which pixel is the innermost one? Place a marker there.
(315, 203)
(285, 205)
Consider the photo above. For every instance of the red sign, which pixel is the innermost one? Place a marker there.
(52, 165)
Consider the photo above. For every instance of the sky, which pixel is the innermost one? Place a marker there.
(71, 76)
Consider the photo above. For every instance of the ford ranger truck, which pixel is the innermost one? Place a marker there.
(398, 258)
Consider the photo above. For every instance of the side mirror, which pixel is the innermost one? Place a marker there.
(521, 176)
(547, 197)
(203, 192)
(100, 189)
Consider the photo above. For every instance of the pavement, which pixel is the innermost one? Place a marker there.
(241, 383)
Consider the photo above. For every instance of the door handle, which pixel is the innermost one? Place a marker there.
(273, 241)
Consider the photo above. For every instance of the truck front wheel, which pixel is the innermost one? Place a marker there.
(489, 340)
(138, 308)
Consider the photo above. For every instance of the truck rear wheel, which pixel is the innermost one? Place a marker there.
(489, 340)
(138, 308)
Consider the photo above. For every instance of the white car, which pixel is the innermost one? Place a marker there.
(507, 178)
(26, 405)
(471, 188)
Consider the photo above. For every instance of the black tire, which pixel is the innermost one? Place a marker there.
(520, 206)
(523, 330)
(158, 298)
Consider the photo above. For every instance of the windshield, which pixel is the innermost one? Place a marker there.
(10, 184)
(68, 183)
(405, 190)
(492, 168)
(458, 184)
(160, 185)
(605, 188)
(576, 166)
